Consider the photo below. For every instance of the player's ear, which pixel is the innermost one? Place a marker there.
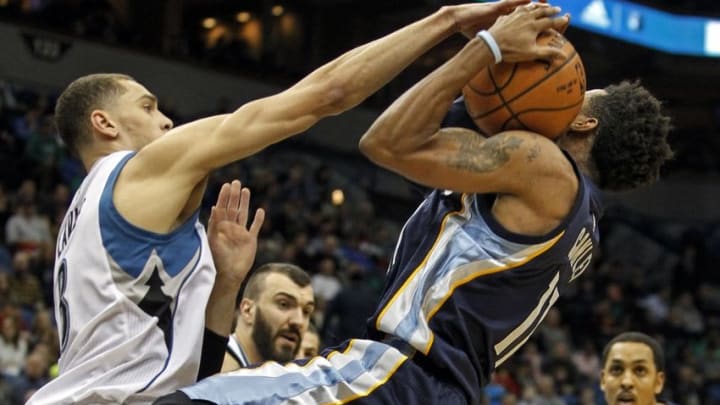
(602, 380)
(103, 124)
(584, 124)
(659, 382)
(247, 310)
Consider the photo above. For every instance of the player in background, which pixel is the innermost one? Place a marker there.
(633, 370)
(311, 344)
(273, 316)
(135, 283)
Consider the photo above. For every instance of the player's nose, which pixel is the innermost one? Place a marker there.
(626, 382)
(166, 123)
(296, 317)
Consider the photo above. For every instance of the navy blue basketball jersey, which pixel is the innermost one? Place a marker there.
(463, 293)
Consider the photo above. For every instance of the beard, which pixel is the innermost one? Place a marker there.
(264, 339)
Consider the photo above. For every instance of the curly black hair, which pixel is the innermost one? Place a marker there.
(630, 144)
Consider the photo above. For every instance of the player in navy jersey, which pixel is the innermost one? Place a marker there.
(135, 283)
(510, 223)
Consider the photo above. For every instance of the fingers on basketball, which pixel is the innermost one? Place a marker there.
(542, 96)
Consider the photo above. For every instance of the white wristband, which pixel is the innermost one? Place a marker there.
(491, 43)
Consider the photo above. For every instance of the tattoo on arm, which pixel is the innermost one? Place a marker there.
(479, 155)
(533, 153)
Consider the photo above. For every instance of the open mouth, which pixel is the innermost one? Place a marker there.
(626, 399)
(290, 337)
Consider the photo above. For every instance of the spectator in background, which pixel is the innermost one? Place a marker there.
(552, 331)
(5, 390)
(547, 394)
(33, 376)
(504, 377)
(43, 332)
(657, 305)
(348, 312)
(27, 191)
(688, 385)
(4, 211)
(685, 315)
(24, 285)
(14, 345)
(587, 396)
(272, 316)
(25, 125)
(586, 361)
(560, 367)
(44, 150)
(26, 230)
(509, 399)
(494, 392)
(325, 283)
(5, 292)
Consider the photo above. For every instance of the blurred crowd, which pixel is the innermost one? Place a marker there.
(653, 275)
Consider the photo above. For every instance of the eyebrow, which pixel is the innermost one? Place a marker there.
(292, 298)
(148, 96)
(285, 295)
(620, 361)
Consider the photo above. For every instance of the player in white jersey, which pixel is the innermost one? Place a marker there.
(139, 330)
(140, 205)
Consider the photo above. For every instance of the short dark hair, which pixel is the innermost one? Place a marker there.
(255, 282)
(77, 101)
(637, 337)
(630, 144)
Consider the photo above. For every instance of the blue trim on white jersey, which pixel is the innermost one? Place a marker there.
(131, 246)
(176, 299)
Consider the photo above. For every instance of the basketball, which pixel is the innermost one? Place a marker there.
(539, 96)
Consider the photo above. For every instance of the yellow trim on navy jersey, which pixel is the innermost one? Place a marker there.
(508, 266)
(422, 263)
(346, 351)
(390, 373)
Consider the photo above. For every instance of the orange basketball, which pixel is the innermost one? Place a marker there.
(540, 96)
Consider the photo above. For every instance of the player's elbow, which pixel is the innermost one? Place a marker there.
(376, 148)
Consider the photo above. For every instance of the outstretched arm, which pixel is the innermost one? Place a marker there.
(407, 137)
(168, 170)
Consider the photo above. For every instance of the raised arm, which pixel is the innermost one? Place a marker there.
(407, 137)
(169, 170)
(233, 244)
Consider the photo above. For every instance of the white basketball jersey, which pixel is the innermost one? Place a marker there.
(130, 304)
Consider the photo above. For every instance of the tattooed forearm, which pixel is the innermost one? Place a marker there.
(479, 155)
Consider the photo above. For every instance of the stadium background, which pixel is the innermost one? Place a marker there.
(330, 210)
